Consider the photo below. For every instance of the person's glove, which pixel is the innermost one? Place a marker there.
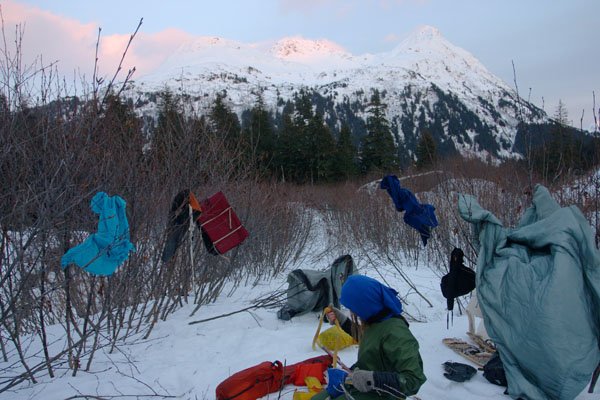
(363, 381)
(335, 381)
(458, 372)
(335, 313)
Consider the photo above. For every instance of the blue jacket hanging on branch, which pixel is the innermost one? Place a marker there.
(102, 252)
(419, 216)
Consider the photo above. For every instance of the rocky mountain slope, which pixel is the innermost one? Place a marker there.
(426, 82)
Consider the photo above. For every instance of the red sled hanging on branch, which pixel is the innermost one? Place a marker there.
(220, 226)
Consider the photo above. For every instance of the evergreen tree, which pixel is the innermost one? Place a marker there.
(320, 151)
(224, 122)
(378, 152)
(168, 137)
(286, 149)
(345, 157)
(561, 115)
(304, 108)
(121, 117)
(305, 148)
(559, 156)
(304, 156)
(426, 151)
(259, 137)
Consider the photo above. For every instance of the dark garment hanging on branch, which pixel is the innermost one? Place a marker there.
(459, 281)
(419, 216)
(179, 221)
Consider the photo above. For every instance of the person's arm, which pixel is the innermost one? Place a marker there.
(404, 368)
(341, 317)
(402, 350)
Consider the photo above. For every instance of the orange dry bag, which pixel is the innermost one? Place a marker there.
(252, 383)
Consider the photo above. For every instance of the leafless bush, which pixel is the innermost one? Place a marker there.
(364, 221)
(280, 226)
(54, 156)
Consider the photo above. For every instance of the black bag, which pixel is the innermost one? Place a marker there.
(493, 371)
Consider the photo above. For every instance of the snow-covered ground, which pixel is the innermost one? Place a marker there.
(185, 361)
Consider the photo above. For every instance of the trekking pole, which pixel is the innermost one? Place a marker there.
(344, 366)
(595, 376)
(316, 337)
(314, 342)
(191, 234)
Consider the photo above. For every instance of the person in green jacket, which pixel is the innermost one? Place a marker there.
(389, 365)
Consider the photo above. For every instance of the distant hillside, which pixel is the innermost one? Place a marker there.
(426, 82)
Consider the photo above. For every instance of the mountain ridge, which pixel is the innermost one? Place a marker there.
(426, 82)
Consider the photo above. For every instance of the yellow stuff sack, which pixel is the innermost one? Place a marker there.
(335, 338)
(313, 384)
(314, 387)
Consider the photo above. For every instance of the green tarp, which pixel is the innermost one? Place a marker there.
(538, 287)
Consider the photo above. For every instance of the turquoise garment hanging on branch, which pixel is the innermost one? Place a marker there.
(102, 252)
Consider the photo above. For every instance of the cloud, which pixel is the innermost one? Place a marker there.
(147, 51)
(311, 6)
(306, 6)
(386, 4)
(391, 38)
(341, 8)
(72, 44)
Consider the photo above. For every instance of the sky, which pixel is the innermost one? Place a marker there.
(545, 49)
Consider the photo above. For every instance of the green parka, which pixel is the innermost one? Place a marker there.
(388, 346)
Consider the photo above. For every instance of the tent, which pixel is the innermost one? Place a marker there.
(538, 287)
(310, 290)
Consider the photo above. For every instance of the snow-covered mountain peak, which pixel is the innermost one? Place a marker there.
(429, 53)
(426, 39)
(206, 43)
(297, 45)
(205, 49)
(305, 51)
(426, 33)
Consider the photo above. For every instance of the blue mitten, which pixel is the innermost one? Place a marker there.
(335, 381)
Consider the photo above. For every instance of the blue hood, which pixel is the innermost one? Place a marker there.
(367, 297)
